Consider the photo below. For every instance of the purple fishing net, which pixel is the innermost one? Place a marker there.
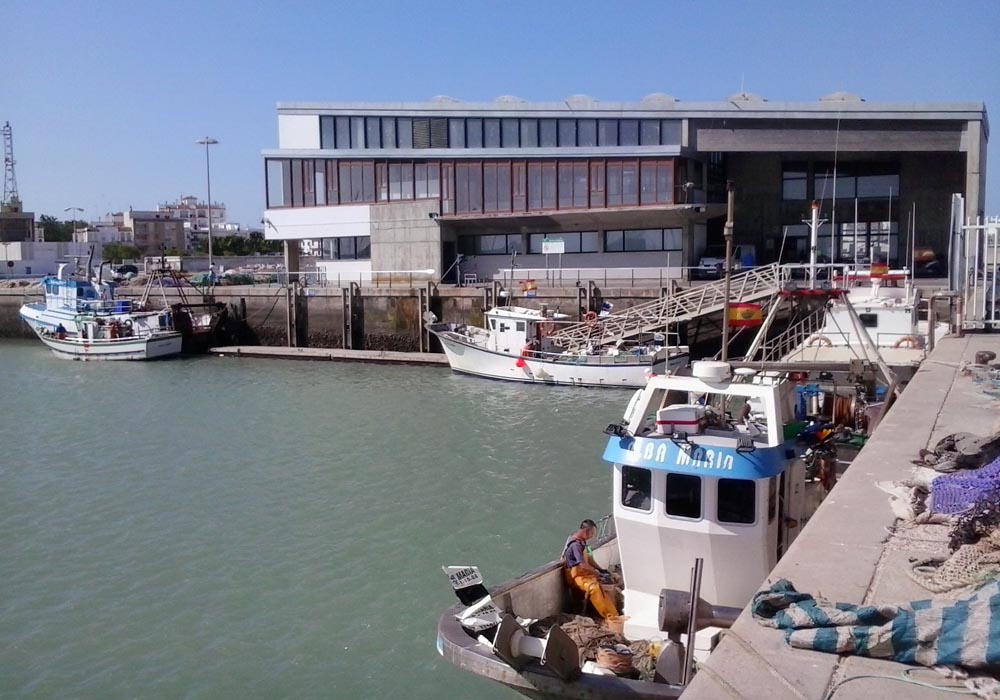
(958, 492)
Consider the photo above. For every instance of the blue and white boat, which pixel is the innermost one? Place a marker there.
(81, 319)
(707, 486)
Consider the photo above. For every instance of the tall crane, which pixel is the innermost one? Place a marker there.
(10, 202)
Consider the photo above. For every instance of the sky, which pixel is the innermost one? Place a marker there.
(107, 99)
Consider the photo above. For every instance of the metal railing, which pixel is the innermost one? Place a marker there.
(655, 316)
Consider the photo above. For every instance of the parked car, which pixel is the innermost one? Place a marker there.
(712, 264)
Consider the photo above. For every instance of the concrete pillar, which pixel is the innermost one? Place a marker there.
(975, 169)
(291, 289)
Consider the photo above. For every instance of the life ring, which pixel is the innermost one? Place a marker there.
(818, 340)
(546, 328)
(590, 318)
(910, 341)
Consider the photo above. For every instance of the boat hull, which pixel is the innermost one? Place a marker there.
(592, 371)
(150, 348)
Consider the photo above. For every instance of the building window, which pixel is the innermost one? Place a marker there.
(428, 180)
(490, 244)
(567, 133)
(404, 133)
(343, 135)
(628, 132)
(586, 132)
(388, 132)
(511, 136)
(548, 133)
(296, 183)
(877, 186)
(496, 187)
(529, 133)
(649, 132)
(373, 132)
(637, 488)
(456, 133)
(643, 240)
(357, 132)
(793, 184)
(276, 171)
(607, 132)
(573, 241)
(326, 133)
(332, 189)
(348, 248)
(491, 133)
(474, 133)
(683, 495)
(737, 501)
(597, 185)
(309, 183)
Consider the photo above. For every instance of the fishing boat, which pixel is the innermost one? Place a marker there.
(81, 319)
(516, 345)
(708, 492)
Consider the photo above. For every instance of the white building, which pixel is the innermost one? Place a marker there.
(103, 232)
(23, 258)
(194, 213)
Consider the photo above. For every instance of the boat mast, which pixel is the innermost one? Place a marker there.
(729, 269)
(814, 223)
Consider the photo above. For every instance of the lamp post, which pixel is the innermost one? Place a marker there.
(77, 209)
(206, 142)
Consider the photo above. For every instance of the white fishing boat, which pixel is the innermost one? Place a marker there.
(516, 346)
(81, 319)
(708, 494)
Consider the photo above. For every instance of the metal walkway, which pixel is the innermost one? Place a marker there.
(655, 316)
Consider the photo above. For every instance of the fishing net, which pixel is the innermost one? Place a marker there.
(959, 492)
(969, 565)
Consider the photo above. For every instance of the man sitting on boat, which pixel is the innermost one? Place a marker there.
(581, 571)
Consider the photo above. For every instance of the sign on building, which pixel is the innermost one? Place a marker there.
(553, 246)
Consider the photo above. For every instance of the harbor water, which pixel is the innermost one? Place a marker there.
(214, 528)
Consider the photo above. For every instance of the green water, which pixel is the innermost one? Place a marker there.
(217, 528)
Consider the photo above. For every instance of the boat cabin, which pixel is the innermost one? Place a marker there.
(511, 328)
(79, 296)
(703, 468)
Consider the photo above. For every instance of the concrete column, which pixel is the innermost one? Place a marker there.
(291, 295)
(975, 169)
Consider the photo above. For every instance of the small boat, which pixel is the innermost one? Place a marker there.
(81, 320)
(708, 492)
(516, 346)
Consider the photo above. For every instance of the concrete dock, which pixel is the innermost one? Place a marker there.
(851, 552)
(335, 354)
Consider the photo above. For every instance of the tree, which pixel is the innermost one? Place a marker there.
(55, 230)
(121, 252)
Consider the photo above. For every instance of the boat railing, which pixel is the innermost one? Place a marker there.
(606, 528)
(107, 306)
(571, 358)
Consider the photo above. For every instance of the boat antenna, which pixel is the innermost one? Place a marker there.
(90, 262)
(730, 191)
(784, 237)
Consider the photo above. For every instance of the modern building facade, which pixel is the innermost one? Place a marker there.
(152, 231)
(408, 187)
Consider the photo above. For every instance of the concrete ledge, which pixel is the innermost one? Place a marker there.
(374, 356)
(847, 553)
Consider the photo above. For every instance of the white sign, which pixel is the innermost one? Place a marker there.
(480, 616)
(463, 576)
(553, 246)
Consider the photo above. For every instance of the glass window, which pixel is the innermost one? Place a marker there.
(343, 132)
(649, 132)
(296, 183)
(683, 497)
(580, 185)
(549, 185)
(363, 246)
(456, 133)
(586, 132)
(474, 133)
(346, 249)
(647, 183)
(567, 132)
(489, 187)
(373, 132)
(628, 132)
(670, 132)
(793, 185)
(529, 133)
(665, 182)
(535, 243)
(534, 185)
(673, 239)
(825, 182)
(519, 186)
(404, 133)
(332, 193)
(326, 133)
(597, 184)
(637, 488)
(439, 133)
(320, 179)
(503, 187)
(368, 180)
(737, 502)
(275, 182)
(357, 132)
(637, 240)
(547, 134)
(875, 186)
(346, 194)
(395, 180)
(630, 183)
(510, 133)
(614, 241)
(492, 244)
(565, 185)
(869, 320)
(614, 184)
(388, 132)
(491, 133)
(382, 181)
(589, 241)
(607, 132)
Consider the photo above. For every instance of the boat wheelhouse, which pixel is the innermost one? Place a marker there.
(516, 345)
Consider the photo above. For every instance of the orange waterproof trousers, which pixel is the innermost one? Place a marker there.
(586, 581)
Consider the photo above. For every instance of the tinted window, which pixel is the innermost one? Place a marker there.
(637, 488)
(737, 501)
(547, 133)
(869, 320)
(683, 497)
(567, 132)
(586, 134)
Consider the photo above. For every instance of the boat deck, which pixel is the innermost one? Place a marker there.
(849, 551)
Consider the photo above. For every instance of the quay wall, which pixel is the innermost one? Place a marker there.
(385, 318)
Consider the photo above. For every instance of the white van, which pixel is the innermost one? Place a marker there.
(712, 264)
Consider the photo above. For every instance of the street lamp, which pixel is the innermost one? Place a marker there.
(78, 209)
(206, 142)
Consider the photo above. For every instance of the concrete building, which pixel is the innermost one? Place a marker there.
(27, 258)
(103, 232)
(15, 224)
(194, 213)
(397, 187)
(152, 230)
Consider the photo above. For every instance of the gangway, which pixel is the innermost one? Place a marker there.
(655, 316)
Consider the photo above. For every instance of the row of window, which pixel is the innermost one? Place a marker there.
(736, 499)
(474, 186)
(796, 185)
(348, 248)
(493, 132)
(629, 240)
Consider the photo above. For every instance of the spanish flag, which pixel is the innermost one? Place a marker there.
(745, 315)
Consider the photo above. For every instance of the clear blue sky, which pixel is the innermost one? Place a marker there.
(107, 98)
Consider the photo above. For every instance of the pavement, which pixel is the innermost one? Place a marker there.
(850, 552)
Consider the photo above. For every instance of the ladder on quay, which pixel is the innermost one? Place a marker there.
(655, 316)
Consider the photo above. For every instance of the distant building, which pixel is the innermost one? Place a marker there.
(395, 186)
(15, 224)
(194, 213)
(103, 232)
(152, 230)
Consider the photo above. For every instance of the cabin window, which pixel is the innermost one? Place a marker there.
(869, 320)
(520, 326)
(737, 501)
(683, 495)
(493, 323)
(637, 488)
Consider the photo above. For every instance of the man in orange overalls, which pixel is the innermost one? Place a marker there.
(581, 571)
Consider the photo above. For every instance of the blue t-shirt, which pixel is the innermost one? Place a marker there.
(573, 551)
